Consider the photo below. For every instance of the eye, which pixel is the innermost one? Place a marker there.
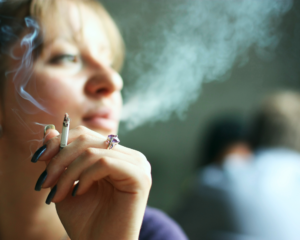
(64, 58)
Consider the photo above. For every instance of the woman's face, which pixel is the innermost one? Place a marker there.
(73, 74)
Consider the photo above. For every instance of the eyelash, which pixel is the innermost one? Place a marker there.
(62, 57)
(75, 59)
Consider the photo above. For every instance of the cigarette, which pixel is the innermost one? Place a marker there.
(65, 132)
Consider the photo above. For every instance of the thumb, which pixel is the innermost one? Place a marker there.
(49, 133)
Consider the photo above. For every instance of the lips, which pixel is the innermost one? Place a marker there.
(104, 119)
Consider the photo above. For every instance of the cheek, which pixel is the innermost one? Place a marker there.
(58, 94)
(119, 101)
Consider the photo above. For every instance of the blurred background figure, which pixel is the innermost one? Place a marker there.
(269, 207)
(225, 144)
(243, 197)
(208, 212)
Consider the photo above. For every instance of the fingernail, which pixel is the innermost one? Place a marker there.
(75, 190)
(38, 154)
(50, 126)
(40, 181)
(51, 195)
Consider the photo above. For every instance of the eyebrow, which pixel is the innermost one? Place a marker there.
(65, 39)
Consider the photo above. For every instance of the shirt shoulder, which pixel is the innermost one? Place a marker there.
(158, 226)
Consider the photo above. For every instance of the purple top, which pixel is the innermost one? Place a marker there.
(158, 226)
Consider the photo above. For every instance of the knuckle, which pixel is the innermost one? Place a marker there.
(89, 152)
(53, 170)
(140, 155)
(81, 128)
(146, 178)
(148, 166)
(149, 180)
(103, 162)
(83, 137)
(55, 162)
(144, 161)
(53, 141)
(64, 176)
(55, 159)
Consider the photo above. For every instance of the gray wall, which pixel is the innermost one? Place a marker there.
(172, 147)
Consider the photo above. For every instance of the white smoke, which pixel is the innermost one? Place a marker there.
(22, 74)
(10, 29)
(191, 43)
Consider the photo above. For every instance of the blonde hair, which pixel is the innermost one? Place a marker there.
(39, 9)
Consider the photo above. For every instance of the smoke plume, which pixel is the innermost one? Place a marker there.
(189, 43)
(23, 72)
(186, 44)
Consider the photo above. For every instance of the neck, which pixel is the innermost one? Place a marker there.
(21, 207)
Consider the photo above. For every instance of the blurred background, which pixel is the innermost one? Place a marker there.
(168, 45)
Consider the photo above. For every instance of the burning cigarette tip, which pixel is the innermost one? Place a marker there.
(66, 118)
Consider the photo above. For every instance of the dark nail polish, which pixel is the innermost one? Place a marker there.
(40, 181)
(75, 190)
(38, 154)
(51, 195)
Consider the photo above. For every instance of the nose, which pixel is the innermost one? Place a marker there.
(103, 81)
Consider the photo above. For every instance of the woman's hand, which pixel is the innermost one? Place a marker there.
(113, 186)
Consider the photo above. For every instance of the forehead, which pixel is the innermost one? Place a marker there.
(76, 22)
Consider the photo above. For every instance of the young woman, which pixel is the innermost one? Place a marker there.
(63, 56)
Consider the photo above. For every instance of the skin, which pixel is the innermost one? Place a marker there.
(239, 148)
(71, 75)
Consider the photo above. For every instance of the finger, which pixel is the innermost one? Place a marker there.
(52, 145)
(52, 140)
(64, 160)
(81, 130)
(50, 133)
(72, 173)
(126, 177)
(84, 141)
(66, 182)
